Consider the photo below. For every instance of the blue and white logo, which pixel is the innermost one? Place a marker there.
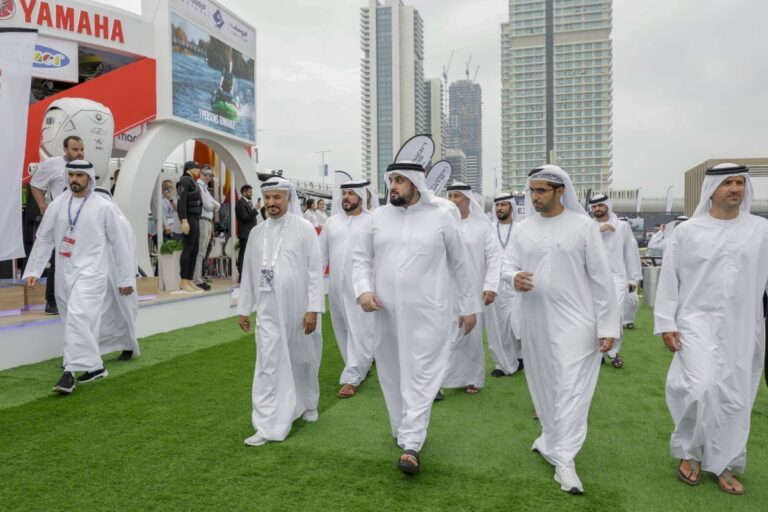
(47, 58)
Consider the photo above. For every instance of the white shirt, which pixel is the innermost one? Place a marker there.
(51, 177)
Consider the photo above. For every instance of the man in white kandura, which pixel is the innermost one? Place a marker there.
(283, 283)
(467, 362)
(118, 311)
(502, 318)
(86, 233)
(352, 326)
(632, 303)
(569, 314)
(658, 242)
(709, 312)
(403, 270)
(623, 257)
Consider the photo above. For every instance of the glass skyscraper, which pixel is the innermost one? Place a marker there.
(556, 60)
(394, 104)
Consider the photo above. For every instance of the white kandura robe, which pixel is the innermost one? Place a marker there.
(352, 326)
(624, 259)
(658, 243)
(407, 258)
(571, 305)
(631, 305)
(285, 382)
(467, 361)
(710, 291)
(502, 325)
(83, 279)
(119, 312)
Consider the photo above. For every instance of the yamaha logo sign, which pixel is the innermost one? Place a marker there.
(7, 9)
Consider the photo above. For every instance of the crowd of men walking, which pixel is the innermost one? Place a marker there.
(413, 282)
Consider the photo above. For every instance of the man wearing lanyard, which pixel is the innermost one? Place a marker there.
(206, 225)
(51, 180)
(503, 316)
(82, 228)
(283, 283)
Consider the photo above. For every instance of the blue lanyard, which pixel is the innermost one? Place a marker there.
(498, 233)
(72, 223)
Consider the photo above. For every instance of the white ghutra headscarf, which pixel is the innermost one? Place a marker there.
(280, 183)
(552, 174)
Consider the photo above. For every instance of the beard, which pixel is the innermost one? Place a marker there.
(503, 215)
(349, 206)
(76, 187)
(401, 199)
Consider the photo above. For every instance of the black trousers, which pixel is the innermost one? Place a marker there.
(191, 241)
(50, 286)
(240, 256)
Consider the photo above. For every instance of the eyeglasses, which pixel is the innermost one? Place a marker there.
(539, 191)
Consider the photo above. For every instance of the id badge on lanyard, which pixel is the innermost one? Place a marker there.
(68, 242)
(267, 274)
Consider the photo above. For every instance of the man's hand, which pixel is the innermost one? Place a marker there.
(671, 340)
(125, 290)
(606, 344)
(31, 282)
(524, 281)
(467, 322)
(310, 322)
(167, 231)
(662, 228)
(606, 227)
(488, 297)
(370, 302)
(185, 226)
(245, 323)
(632, 287)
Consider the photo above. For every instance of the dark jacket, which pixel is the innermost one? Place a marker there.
(190, 198)
(247, 215)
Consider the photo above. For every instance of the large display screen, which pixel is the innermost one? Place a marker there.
(213, 83)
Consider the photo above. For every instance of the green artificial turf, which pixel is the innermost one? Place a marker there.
(165, 432)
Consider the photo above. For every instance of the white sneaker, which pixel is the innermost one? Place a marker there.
(310, 415)
(256, 440)
(568, 479)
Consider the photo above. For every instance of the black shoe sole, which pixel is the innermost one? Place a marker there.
(63, 391)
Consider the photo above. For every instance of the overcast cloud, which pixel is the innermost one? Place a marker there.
(690, 81)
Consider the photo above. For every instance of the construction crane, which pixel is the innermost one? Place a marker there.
(474, 78)
(446, 68)
(469, 63)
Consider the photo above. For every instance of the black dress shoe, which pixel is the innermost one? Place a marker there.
(205, 286)
(51, 309)
(520, 365)
(439, 396)
(126, 355)
(630, 325)
(497, 373)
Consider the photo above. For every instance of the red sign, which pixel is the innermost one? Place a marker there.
(70, 19)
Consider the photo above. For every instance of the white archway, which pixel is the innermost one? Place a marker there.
(135, 187)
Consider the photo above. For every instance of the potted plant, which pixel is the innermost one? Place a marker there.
(170, 268)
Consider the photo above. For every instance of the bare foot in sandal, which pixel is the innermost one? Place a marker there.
(729, 484)
(347, 391)
(689, 471)
(471, 389)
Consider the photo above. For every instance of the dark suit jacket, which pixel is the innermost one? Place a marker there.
(247, 216)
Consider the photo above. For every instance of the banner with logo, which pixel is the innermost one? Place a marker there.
(55, 59)
(213, 83)
(16, 45)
